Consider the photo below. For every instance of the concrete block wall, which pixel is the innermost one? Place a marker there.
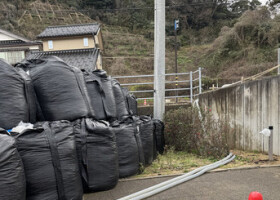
(249, 107)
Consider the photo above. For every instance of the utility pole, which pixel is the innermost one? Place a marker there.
(159, 60)
(176, 27)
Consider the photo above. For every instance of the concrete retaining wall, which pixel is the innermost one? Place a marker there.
(249, 107)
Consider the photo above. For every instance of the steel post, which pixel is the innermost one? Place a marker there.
(191, 87)
(278, 60)
(199, 80)
(270, 147)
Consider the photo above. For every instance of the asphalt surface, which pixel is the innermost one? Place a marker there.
(225, 185)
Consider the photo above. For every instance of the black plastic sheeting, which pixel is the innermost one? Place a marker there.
(97, 154)
(101, 94)
(159, 135)
(50, 161)
(130, 148)
(17, 100)
(12, 176)
(60, 89)
(131, 102)
(121, 104)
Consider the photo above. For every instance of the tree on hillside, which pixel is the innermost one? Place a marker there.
(244, 5)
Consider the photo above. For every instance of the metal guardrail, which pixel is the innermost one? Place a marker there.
(192, 84)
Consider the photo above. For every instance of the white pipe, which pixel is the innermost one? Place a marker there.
(156, 191)
(174, 179)
(166, 183)
(199, 114)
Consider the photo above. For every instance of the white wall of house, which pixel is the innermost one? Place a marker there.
(12, 57)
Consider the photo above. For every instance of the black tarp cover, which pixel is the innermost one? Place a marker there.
(12, 178)
(60, 89)
(50, 161)
(17, 100)
(97, 154)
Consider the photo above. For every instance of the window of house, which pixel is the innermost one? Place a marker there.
(50, 44)
(85, 42)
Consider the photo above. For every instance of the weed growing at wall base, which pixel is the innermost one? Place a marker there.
(185, 131)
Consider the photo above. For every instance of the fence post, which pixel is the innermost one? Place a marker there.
(191, 87)
(278, 60)
(199, 79)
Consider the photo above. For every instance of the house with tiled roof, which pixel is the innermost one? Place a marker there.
(79, 45)
(14, 48)
(66, 37)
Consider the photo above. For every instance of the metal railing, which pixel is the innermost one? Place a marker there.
(190, 82)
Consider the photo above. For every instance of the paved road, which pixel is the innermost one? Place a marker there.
(227, 185)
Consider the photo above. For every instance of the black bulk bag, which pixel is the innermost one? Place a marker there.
(146, 126)
(131, 102)
(121, 105)
(12, 178)
(97, 154)
(159, 135)
(130, 148)
(49, 157)
(95, 93)
(101, 95)
(17, 102)
(108, 95)
(60, 89)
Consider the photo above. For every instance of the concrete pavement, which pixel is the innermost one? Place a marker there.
(225, 185)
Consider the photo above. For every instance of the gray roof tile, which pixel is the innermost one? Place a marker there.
(70, 30)
(16, 43)
(82, 58)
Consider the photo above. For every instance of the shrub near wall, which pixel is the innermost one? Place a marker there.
(186, 132)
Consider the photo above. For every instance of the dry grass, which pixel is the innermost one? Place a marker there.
(172, 162)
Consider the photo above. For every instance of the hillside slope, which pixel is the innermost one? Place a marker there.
(244, 46)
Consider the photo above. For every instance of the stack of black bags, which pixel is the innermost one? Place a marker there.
(85, 134)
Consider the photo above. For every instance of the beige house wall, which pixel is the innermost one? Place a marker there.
(68, 43)
(99, 62)
(98, 40)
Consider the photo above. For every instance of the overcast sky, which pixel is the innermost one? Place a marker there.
(263, 1)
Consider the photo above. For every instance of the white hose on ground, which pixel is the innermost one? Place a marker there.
(178, 180)
(174, 179)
